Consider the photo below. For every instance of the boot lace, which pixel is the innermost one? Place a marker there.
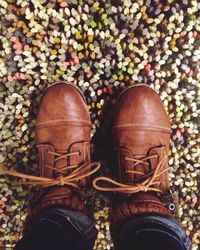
(71, 179)
(148, 184)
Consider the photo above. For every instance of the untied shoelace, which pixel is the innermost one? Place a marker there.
(147, 185)
(71, 179)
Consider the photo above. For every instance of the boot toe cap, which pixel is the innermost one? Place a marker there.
(62, 101)
(141, 108)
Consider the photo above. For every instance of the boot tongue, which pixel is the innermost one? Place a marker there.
(156, 151)
(149, 165)
(144, 169)
(60, 164)
(79, 155)
(71, 160)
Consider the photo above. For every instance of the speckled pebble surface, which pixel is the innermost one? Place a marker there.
(101, 46)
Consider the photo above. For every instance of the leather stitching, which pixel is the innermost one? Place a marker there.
(63, 121)
(151, 201)
(141, 125)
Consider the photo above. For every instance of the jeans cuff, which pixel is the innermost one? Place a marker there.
(165, 224)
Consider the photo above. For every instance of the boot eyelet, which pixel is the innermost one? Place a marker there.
(171, 207)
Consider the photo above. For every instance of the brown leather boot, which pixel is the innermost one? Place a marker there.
(141, 131)
(63, 129)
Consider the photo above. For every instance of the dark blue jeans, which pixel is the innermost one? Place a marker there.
(153, 232)
(61, 229)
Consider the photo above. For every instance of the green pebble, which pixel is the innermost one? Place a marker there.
(93, 24)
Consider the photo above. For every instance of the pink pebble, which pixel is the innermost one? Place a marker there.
(2, 204)
(195, 33)
(10, 78)
(148, 67)
(144, 62)
(76, 59)
(22, 76)
(18, 52)
(63, 4)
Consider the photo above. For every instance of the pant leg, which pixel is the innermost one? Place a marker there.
(59, 229)
(153, 232)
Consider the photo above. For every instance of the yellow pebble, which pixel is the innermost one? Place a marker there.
(25, 30)
(98, 105)
(54, 52)
(90, 38)
(78, 35)
(57, 39)
(173, 43)
(91, 47)
(35, 42)
(19, 24)
(121, 77)
(80, 55)
(127, 78)
(28, 103)
(96, 5)
(130, 70)
(86, 45)
(92, 55)
(84, 35)
(55, 77)
(29, 34)
(79, 47)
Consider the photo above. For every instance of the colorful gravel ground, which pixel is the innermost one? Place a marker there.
(101, 46)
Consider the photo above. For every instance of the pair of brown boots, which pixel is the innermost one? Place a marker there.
(141, 131)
